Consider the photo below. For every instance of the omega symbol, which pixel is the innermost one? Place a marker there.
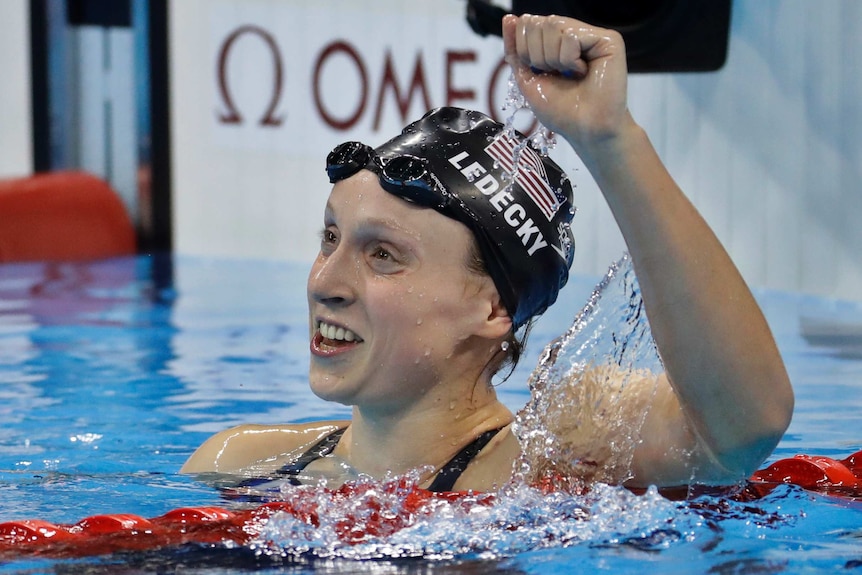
(232, 115)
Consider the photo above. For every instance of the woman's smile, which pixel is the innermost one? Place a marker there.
(330, 339)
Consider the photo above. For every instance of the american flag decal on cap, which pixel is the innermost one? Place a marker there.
(531, 173)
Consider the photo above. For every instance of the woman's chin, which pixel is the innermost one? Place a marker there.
(329, 388)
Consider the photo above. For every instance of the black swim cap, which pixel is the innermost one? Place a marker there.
(461, 163)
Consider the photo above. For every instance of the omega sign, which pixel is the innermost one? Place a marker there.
(375, 93)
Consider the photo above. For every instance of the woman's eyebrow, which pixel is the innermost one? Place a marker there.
(386, 223)
(374, 223)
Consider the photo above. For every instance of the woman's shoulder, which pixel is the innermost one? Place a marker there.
(493, 466)
(245, 445)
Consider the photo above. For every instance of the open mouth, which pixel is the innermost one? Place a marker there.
(336, 334)
(331, 338)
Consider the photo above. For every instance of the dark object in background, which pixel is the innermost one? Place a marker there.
(115, 13)
(660, 35)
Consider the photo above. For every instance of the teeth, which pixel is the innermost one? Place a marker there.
(336, 333)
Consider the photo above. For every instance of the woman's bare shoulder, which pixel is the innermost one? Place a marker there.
(251, 444)
(492, 467)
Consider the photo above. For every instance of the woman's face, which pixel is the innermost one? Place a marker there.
(399, 310)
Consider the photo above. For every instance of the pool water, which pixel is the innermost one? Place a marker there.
(112, 373)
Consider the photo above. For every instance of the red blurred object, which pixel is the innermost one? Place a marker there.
(816, 473)
(854, 463)
(31, 532)
(100, 524)
(62, 216)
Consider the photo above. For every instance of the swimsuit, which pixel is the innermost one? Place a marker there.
(444, 481)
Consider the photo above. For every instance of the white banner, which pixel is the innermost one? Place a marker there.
(292, 77)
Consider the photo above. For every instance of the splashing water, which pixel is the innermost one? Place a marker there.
(394, 519)
(584, 415)
(542, 138)
(590, 392)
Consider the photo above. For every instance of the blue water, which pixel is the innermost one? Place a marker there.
(111, 373)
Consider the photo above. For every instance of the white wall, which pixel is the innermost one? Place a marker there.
(16, 148)
(768, 148)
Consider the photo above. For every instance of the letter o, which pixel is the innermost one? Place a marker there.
(350, 51)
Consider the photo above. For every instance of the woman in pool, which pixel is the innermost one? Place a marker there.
(429, 262)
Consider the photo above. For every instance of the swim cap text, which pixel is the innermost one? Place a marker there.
(513, 213)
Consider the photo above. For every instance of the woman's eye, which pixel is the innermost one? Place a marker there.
(327, 236)
(384, 260)
(328, 239)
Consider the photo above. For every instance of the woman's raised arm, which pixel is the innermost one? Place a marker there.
(729, 386)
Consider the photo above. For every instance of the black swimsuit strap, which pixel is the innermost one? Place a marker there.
(445, 480)
(320, 449)
(449, 474)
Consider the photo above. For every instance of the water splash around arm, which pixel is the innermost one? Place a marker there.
(591, 390)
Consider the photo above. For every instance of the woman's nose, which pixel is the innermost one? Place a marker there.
(333, 278)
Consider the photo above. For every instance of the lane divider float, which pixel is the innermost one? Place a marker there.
(104, 534)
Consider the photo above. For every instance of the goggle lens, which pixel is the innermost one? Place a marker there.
(405, 176)
(347, 159)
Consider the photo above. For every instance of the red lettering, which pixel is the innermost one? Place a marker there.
(417, 82)
(453, 93)
(232, 116)
(340, 47)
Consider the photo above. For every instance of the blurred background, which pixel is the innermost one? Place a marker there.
(211, 119)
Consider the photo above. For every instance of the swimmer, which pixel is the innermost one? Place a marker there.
(431, 268)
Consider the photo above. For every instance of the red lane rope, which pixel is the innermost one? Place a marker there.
(103, 534)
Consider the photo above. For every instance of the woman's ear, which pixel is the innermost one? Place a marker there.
(498, 322)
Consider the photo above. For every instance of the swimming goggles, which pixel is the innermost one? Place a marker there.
(405, 176)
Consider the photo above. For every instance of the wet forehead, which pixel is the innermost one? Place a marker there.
(360, 203)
